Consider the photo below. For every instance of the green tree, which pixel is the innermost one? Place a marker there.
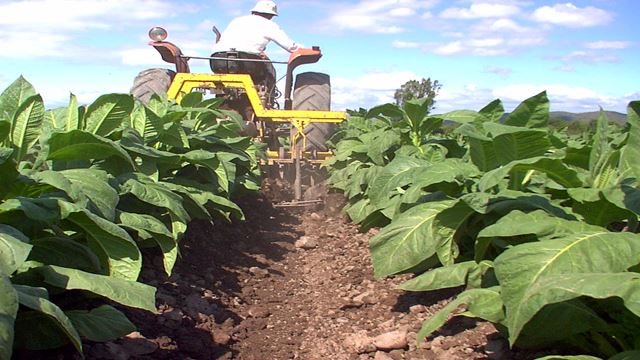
(414, 89)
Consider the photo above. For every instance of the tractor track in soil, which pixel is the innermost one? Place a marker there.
(289, 284)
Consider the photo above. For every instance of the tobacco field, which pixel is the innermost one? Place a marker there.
(457, 231)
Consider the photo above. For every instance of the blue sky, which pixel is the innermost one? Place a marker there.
(586, 54)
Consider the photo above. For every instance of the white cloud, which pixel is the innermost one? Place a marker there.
(503, 72)
(565, 68)
(590, 57)
(561, 96)
(142, 56)
(473, 46)
(480, 10)
(490, 42)
(28, 44)
(572, 16)
(506, 25)
(489, 37)
(427, 15)
(398, 44)
(48, 15)
(50, 28)
(376, 16)
(367, 90)
(402, 12)
(451, 48)
(614, 45)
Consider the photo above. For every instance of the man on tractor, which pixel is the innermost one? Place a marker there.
(252, 33)
(247, 37)
(243, 43)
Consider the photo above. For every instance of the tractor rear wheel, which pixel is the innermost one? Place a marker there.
(150, 82)
(312, 91)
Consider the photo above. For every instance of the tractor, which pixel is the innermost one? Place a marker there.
(247, 82)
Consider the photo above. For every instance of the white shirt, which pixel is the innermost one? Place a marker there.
(252, 33)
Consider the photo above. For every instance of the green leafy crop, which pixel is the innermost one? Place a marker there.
(541, 227)
(82, 189)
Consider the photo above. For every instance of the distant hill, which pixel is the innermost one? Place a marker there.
(613, 116)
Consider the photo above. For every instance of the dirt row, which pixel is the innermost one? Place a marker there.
(290, 284)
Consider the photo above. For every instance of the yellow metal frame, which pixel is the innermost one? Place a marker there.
(185, 83)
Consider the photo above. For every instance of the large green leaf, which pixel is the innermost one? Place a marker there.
(14, 249)
(555, 169)
(33, 298)
(203, 195)
(378, 142)
(517, 143)
(174, 136)
(14, 95)
(104, 323)
(122, 291)
(597, 209)
(571, 320)
(150, 228)
(446, 224)
(481, 303)
(398, 173)
(43, 209)
(563, 288)
(524, 269)
(415, 112)
(94, 184)
(72, 114)
(483, 154)
(539, 223)
(147, 127)
(405, 171)
(8, 312)
(460, 116)
(600, 145)
(81, 145)
(193, 205)
(66, 253)
(27, 125)
(107, 113)
(87, 187)
(492, 112)
(359, 210)
(117, 251)
(388, 110)
(629, 165)
(506, 201)
(532, 113)
(211, 161)
(624, 196)
(408, 241)
(441, 277)
(64, 118)
(54, 119)
(148, 191)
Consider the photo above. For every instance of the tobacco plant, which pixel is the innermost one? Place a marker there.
(84, 188)
(540, 227)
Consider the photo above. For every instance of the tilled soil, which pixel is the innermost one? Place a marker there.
(290, 284)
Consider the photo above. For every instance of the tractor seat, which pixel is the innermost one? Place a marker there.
(261, 72)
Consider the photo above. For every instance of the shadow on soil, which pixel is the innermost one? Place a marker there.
(194, 301)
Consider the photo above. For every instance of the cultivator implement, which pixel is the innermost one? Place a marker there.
(247, 83)
(300, 155)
